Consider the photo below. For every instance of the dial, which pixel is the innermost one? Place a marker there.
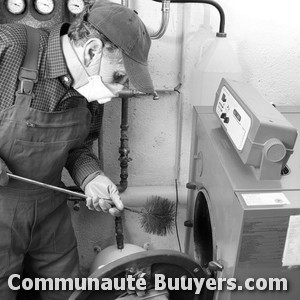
(16, 7)
(75, 6)
(44, 7)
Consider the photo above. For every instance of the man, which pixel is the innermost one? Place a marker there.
(46, 124)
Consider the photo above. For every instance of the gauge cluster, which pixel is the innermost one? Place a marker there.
(43, 8)
(41, 13)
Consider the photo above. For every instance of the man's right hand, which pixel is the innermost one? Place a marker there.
(3, 173)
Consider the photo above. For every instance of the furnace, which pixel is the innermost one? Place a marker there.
(244, 200)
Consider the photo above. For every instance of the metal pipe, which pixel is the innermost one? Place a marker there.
(124, 148)
(221, 32)
(100, 136)
(124, 3)
(135, 93)
(119, 232)
(165, 8)
(137, 196)
(165, 16)
(127, 93)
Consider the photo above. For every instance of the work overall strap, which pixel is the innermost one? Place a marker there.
(28, 74)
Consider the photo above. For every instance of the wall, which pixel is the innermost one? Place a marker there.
(265, 35)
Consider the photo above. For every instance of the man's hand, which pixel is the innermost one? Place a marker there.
(101, 191)
(3, 173)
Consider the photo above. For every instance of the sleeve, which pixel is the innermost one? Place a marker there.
(11, 57)
(82, 163)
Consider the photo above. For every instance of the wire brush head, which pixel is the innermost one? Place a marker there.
(158, 216)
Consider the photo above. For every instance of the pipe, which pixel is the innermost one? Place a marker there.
(137, 196)
(165, 8)
(221, 32)
(124, 3)
(100, 137)
(124, 149)
(128, 93)
(119, 232)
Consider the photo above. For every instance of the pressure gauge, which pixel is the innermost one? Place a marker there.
(75, 6)
(44, 7)
(16, 7)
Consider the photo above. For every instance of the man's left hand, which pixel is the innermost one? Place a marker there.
(103, 195)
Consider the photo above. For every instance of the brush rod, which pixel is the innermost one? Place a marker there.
(62, 190)
(48, 186)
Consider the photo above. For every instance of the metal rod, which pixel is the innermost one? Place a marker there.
(48, 186)
(62, 190)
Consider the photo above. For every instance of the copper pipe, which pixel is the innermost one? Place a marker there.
(165, 8)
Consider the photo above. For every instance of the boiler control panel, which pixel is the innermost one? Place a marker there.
(234, 118)
(260, 134)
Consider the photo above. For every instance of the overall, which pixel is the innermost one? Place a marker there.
(35, 225)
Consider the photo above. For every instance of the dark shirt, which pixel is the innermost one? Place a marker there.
(53, 91)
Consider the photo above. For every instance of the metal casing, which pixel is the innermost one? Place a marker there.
(242, 111)
(248, 241)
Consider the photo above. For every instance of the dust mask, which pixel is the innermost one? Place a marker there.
(94, 89)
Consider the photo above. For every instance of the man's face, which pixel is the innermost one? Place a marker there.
(112, 68)
(107, 63)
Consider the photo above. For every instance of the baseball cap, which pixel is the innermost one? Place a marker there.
(124, 28)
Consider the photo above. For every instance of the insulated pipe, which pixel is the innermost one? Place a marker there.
(221, 32)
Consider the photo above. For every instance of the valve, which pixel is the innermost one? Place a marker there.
(215, 266)
(188, 223)
(194, 186)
